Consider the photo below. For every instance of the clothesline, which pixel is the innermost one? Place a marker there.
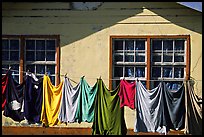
(126, 78)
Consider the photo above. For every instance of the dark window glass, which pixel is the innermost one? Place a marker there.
(5, 44)
(30, 44)
(140, 71)
(118, 58)
(15, 67)
(40, 45)
(40, 55)
(167, 58)
(156, 72)
(129, 45)
(118, 45)
(40, 69)
(156, 58)
(5, 55)
(178, 58)
(30, 56)
(178, 72)
(14, 44)
(51, 69)
(50, 56)
(167, 72)
(50, 45)
(5, 67)
(129, 71)
(129, 57)
(118, 72)
(140, 45)
(14, 55)
(179, 44)
(156, 45)
(140, 58)
(168, 45)
(52, 78)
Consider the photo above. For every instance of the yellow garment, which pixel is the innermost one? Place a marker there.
(51, 102)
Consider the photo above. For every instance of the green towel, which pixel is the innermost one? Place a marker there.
(108, 116)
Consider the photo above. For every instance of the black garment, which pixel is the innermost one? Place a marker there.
(14, 95)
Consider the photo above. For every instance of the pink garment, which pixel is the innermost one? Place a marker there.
(127, 94)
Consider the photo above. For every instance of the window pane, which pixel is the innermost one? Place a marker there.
(14, 55)
(129, 57)
(129, 45)
(118, 58)
(178, 58)
(140, 45)
(40, 69)
(167, 72)
(40, 45)
(5, 55)
(179, 44)
(156, 58)
(118, 72)
(156, 72)
(31, 68)
(118, 45)
(129, 71)
(50, 56)
(168, 45)
(156, 45)
(30, 44)
(5, 44)
(30, 56)
(178, 72)
(16, 78)
(167, 58)
(140, 72)
(51, 69)
(140, 58)
(14, 44)
(15, 67)
(50, 45)
(40, 55)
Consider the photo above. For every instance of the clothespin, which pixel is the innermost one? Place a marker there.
(100, 77)
(46, 73)
(65, 75)
(83, 76)
(9, 67)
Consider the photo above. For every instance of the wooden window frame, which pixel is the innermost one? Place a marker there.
(22, 46)
(148, 38)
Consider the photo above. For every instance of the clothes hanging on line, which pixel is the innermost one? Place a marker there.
(4, 86)
(108, 117)
(127, 94)
(193, 117)
(149, 109)
(86, 104)
(69, 101)
(51, 102)
(174, 107)
(14, 99)
(33, 97)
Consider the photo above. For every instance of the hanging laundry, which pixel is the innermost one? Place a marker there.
(85, 109)
(127, 94)
(4, 85)
(193, 117)
(69, 101)
(174, 107)
(51, 102)
(108, 116)
(149, 109)
(14, 99)
(33, 97)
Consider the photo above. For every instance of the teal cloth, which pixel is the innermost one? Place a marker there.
(108, 116)
(85, 109)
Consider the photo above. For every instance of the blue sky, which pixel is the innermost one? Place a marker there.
(194, 5)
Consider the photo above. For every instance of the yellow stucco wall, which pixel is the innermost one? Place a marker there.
(85, 35)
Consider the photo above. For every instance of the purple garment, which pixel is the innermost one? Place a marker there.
(33, 99)
(14, 99)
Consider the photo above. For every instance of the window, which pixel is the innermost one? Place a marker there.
(150, 59)
(36, 54)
